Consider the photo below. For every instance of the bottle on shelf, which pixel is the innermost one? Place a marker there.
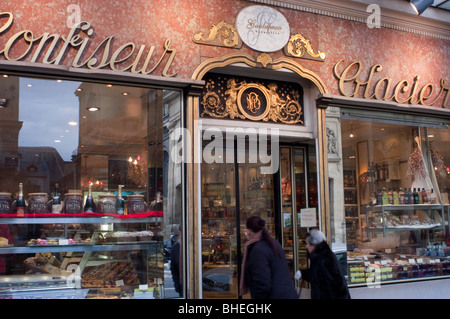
(395, 196)
(407, 194)
(390, 197)
(89, 206)
(424, 196)
(432, 197)
(120, 206)
(419, 193)
(401, 197)
(20, 202)
(411, 197)
(379, 197)
(416, 196)
(385, 196)
(56, 203)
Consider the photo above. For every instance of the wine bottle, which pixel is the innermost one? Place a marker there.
(20, 202)
(416, 196)
(120, 206)
(411, 197)
(89, 206)
(424, 196)
(56, 203)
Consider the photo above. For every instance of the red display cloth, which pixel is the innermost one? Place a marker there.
(140, 215)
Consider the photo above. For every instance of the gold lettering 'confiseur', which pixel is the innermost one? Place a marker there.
(57, 46)
(385, 90)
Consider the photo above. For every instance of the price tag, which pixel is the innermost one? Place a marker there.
(119, 283)
(143, 287)
(377, 262)
(384, 262)
(437, 260)
(411, 261)
(63, 242)
(420, 261)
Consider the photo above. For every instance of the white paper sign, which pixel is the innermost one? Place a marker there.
(262, 28)
(308, 217)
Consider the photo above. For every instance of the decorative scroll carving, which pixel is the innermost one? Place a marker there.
(220, 34)
(238, 98)
(300, 47)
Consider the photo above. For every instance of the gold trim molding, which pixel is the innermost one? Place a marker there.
(262, 61)
(300, 47)
(220, 34)
(224, 34)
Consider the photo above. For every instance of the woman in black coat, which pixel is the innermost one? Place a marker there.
(324, 274)
(265, 269)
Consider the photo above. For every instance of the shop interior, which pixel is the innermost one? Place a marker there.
(392, 234)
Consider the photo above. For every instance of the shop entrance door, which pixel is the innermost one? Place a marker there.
(298, 195)
(232, 192)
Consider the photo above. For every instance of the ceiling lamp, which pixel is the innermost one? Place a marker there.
(3, 103)
(420, 6)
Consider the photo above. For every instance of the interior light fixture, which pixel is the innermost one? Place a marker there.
(93, 109)
(420, 6)
(351, 135)
(3, 103)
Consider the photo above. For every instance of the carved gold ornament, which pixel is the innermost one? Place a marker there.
(300, 47)
(239, 99)
(220, 34)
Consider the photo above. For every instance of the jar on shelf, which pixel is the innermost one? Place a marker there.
(107, 203)
(5, 203)
(37, 203)
(73, 203)
(136, 204)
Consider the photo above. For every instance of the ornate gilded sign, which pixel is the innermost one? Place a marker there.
(402, 92)
(241, 98)
(262, 28)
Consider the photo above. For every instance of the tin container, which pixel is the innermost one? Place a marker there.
(5, 203)
(107, 203)
(37, 203)
(136, 204)
(73, 203)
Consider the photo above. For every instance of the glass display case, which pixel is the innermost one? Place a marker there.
(395, 178)
(82, 257)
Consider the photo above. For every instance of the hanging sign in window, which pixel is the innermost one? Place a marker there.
(308, 217)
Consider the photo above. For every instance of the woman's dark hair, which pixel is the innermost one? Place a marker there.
(256, 223)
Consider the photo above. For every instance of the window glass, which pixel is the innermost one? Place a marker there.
(392, 193)
(73, 141)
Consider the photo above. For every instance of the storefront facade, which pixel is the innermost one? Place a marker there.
(308, 115)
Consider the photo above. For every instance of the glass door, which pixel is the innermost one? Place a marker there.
(228, 199)
(298, 193)
(232, 192)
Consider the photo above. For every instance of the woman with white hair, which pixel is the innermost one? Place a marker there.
(324, 274)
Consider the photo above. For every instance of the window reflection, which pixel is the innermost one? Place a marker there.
(72, 136)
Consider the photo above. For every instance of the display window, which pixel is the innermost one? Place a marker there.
(90, 200)
(394, 200)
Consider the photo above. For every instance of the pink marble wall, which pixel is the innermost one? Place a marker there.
(150, 22)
